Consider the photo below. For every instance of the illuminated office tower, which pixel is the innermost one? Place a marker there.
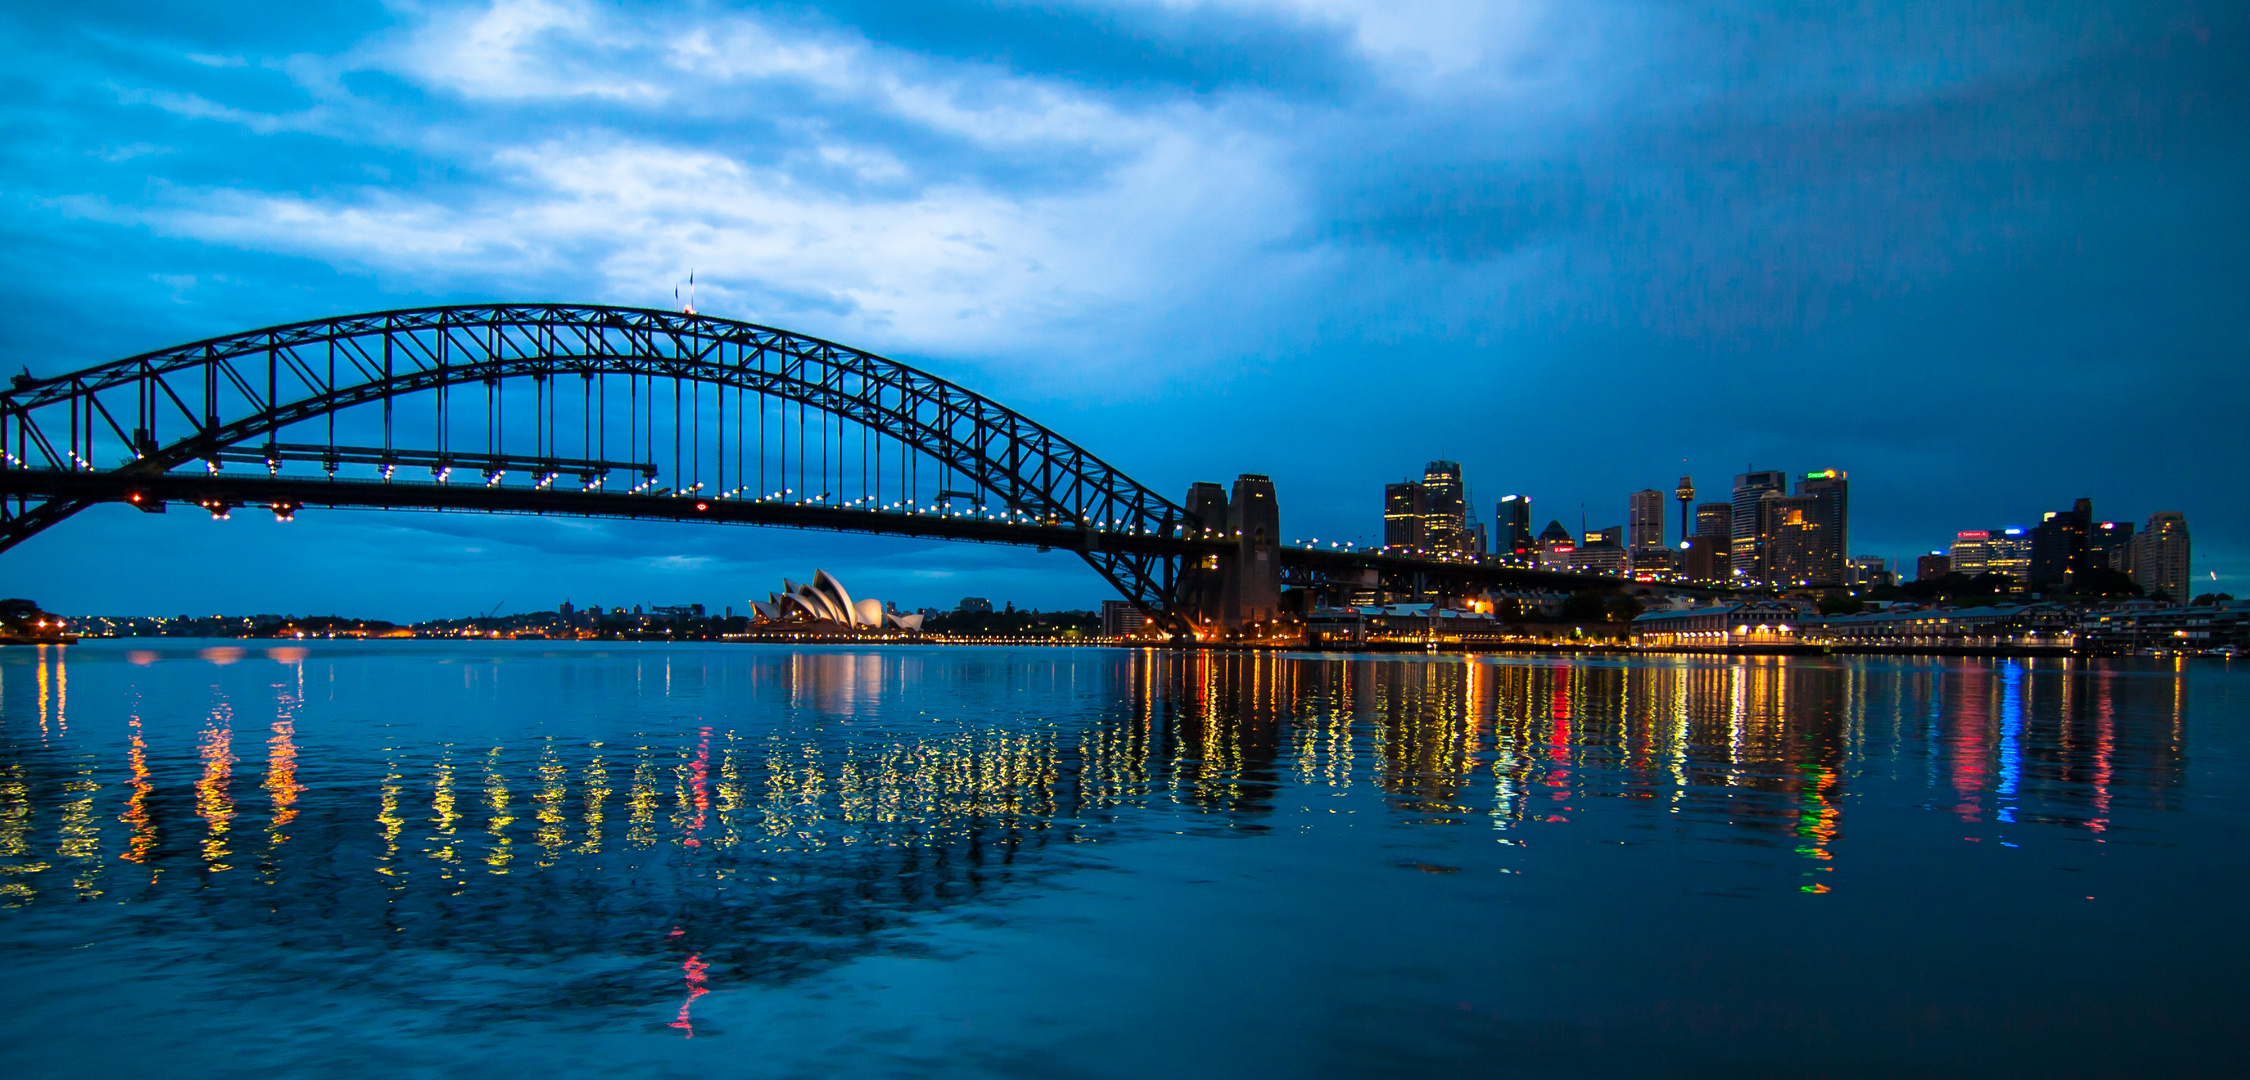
(1513, 520)
(1714, 519)
(1822, 543)
(2059, 552)
(2160, 555)
(1644, 521)
(1704, 554)
(1747, 537)
(1403, 515)
(1971, 552)
(1556, 547)
(1868, 571)
(2110, 544)
(1445, 512)
(1794, 541)
(1602, 552)
(2008, 551)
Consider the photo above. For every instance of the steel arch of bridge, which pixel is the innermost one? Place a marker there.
(228, 399)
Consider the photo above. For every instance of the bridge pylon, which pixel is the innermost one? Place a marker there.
(1238, 585)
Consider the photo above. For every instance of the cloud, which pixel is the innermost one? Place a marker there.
(835, 232)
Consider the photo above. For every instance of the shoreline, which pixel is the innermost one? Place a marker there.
(1399, 648)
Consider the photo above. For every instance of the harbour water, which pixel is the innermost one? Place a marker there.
(427, 858)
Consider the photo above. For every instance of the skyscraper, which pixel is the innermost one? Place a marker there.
(1405, 506)
(2008, 551)
(1747, 549)
(1705, 554)
(1644, 521)
(1971, 547)
(2160, 555)
(2110, 544)
(1829, 515)
(1796, 542)
(1715, 519)
(2058, 545)
(1513, 520)
(1445, 512)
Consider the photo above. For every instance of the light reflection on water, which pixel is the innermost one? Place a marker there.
(602, 838)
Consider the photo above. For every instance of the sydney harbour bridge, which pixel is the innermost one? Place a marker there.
(598, 411)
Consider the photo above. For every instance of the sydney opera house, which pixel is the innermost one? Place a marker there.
(826, 602)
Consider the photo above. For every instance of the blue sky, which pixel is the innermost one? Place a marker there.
(1985, 258)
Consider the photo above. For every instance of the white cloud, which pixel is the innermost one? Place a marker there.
(1162, 206)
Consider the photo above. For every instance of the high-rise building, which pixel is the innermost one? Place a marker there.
(1480, 541)
(1715, 519)
(1748, 538)
(2008, 551)
(1644, 521)
(2110, 544)
(1932, 566)
(2160, 555)
(1445, 510)
(1706, 554)
(2058, 545)
(1512, 519)
(1867, 571)
(1703, 559)
(1971, 549)
(1405, 507)
(1795, 544)
(1832, 513)
(1556, 546)
(1799, 539)
(1603, 552)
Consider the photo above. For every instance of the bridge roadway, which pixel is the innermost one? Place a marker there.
(1301, 567)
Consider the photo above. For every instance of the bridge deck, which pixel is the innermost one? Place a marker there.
(254, 491)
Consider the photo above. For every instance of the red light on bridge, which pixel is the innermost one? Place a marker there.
(703, 506)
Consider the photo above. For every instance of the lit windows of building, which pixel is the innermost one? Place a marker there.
(1556, 547)
(1830, 513)
(1404, 510)
(2160, 555)
(1932, 566)
(1513, 525)
(2008, 551)
(1644, 521)
(1123, 618)
(1972, 549)
(1795, 541)
(1445, 509)
(2110, 544)
(1747, 535)
(1602, 553)
(2059, 545)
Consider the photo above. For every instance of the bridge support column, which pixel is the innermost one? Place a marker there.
(1242, 586)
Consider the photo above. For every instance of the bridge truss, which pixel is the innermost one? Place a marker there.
(576, 409)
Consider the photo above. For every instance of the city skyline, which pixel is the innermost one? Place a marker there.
(1786, 263)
